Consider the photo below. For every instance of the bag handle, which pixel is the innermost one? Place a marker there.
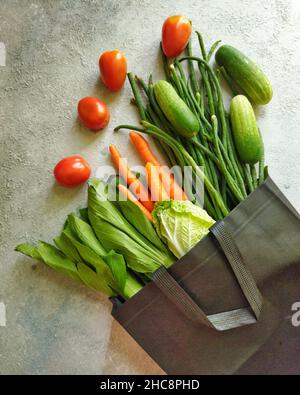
(222, 321)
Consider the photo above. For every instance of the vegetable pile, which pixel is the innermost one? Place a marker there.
(132, 226)
(186, 115)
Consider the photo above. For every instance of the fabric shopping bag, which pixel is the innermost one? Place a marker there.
(226, 306)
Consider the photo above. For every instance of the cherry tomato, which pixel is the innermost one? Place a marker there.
(72, 171)
(113, 69)
(93, 113)
(176, 32)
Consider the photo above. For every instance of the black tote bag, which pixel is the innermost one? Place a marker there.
(226, 306)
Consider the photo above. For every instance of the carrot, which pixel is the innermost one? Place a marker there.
(135, 185)
(130, 196)
(155, 185)
(144, 150)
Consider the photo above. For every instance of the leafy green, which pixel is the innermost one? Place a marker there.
(63, 243)
(141, 223)
(116, 233)
(83, 214)
(29, 250)
(108, 277)
(100, 206)
(93, 280)
(88, 255)
(132, 286)
(137, 257)
(51, 256)
(79, 271)
(117, 266)
(85, 233)
(180, 224)
(111, 269)
(57, 260)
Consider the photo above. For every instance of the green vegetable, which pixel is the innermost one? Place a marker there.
(78, 257)
(83, 213)
(110, 278)
(111, 267)
(52, 257)
(181, 225)
(246, 135)
(88, 255)
(29, 250)
(176, 111)
(117, 265)
(116, 233)
(64, 244)
(91, 279)
(141, 223)
(245, 73)
(85, 234)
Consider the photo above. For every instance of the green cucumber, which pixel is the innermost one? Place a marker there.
(176, 111)
(246, 74)
(246, 135)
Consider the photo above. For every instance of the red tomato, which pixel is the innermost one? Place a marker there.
(176, 32)
(72, 171)
(93, 113)
(113, 69)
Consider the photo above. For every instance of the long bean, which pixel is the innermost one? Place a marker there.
(165, 63)
(212, 49)
(235, 161)
(137, 95)
(191, 68)
(205, 76)
(152, 129)
(176, 80)
(261, 164)
(254, 176)
(227, 140)
(248, 178)
(229, 179)
(220, 104)
(143, 85)
(180, 69)
(210, 168)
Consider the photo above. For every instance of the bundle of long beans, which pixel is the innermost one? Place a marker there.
(227, 180)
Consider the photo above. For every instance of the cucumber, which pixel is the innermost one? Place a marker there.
(246, 135)
(246, 74)
(176, 111)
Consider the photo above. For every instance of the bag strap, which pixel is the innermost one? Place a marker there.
(235, 259)
(170, 287)
(221, 321)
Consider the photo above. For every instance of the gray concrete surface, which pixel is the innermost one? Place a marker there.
(52, 49)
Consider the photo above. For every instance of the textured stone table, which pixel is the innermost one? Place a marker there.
(52, 49)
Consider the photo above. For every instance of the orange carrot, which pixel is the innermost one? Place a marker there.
(138, 188)
(144, 150)
(155, 185)
(130, 196)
